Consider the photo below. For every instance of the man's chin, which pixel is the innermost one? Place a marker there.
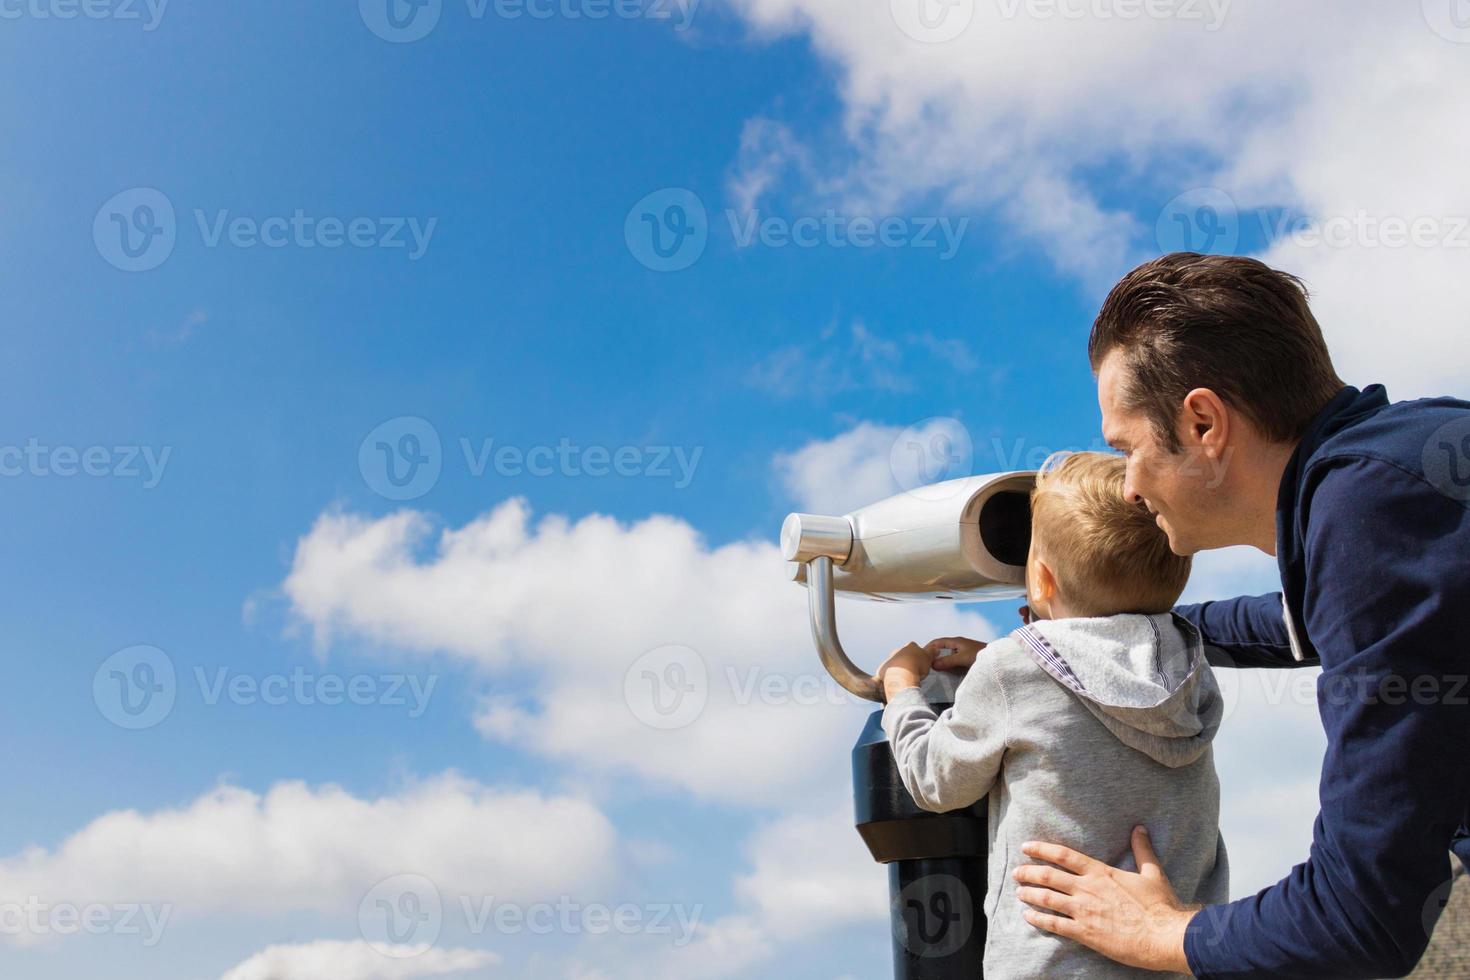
(1177, 542)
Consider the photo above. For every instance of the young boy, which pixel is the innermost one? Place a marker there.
(1095, 717)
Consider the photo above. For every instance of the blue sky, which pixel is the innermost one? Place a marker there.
(519, 146)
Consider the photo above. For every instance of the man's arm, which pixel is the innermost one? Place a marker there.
(1249, 630)
(1389, 608)
(949, 761)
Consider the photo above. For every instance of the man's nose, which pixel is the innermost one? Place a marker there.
(1130, 492)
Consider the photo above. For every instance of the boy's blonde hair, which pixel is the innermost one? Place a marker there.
(1107, 554)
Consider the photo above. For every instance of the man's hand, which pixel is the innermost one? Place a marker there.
(962, 656)
(905, 667)
(1135, 919)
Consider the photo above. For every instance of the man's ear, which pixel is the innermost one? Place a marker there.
(1204, 423)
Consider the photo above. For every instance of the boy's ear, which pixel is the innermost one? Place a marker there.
(1046, 583)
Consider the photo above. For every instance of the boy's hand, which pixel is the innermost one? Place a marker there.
(904, 668)
(961, 655)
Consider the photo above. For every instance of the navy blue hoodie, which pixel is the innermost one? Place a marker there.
(1373, 541)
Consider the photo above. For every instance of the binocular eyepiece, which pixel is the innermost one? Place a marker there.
(961, 539)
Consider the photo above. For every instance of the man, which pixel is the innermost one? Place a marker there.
(1215, 381)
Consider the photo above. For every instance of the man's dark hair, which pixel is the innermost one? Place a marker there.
(1230, 324)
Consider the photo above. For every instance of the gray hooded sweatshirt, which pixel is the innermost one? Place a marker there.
(1078, 729)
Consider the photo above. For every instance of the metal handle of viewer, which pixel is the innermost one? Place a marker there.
(821, 598)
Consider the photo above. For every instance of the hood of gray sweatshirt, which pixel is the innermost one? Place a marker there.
(1144, 677)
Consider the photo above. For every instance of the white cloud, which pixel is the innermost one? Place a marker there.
(355, 960)
(498, 592)
(300, 848)
(1228, 572)
(870, 462)
(1269, 755)
(768, 150)
(812, 873)
(1030, 102)
(834, 476)
(576, 610)
(729, 947)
